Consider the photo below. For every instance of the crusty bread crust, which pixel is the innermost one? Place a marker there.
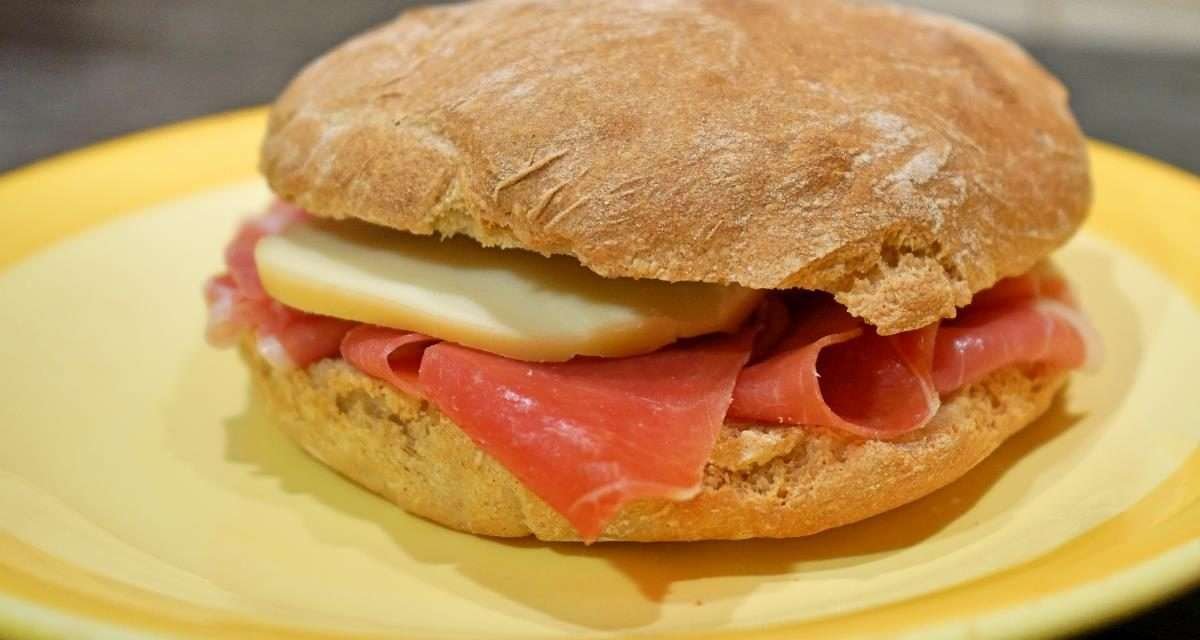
(760, 482)
(899, 160)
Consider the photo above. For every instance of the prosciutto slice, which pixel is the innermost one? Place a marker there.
(833, 371)
(1041, 282)
(1032, 330)
(239, 255)
(237, 303)
(589, 435)
(387, 354)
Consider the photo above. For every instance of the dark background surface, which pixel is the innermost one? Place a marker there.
(75, 72)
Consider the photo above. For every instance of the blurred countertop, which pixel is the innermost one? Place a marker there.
(76, 72)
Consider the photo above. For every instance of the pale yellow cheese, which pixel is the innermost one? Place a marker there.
(506, 301)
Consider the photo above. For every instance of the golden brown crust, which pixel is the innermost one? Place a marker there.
(760, 482)
(899, 160)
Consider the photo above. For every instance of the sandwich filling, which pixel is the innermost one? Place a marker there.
(623, 401)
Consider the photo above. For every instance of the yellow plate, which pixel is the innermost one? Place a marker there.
(142, 494)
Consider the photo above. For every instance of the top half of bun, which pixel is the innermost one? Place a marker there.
(900, 160)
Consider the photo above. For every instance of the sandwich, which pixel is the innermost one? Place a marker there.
(620, 270)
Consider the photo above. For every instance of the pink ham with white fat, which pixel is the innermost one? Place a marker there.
(589, 435)
(238, 304)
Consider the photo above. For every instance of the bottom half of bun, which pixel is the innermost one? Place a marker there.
(761, 481)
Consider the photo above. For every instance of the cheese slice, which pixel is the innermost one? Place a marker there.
(506, 301)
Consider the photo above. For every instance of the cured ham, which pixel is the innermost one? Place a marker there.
(302, 340)
(1030, 319)
(591, 434)
(835, 372)
(387, 354)
(1042, 282)
(239, 255)
(237, 303)
(225, 322)
(1035, 330)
